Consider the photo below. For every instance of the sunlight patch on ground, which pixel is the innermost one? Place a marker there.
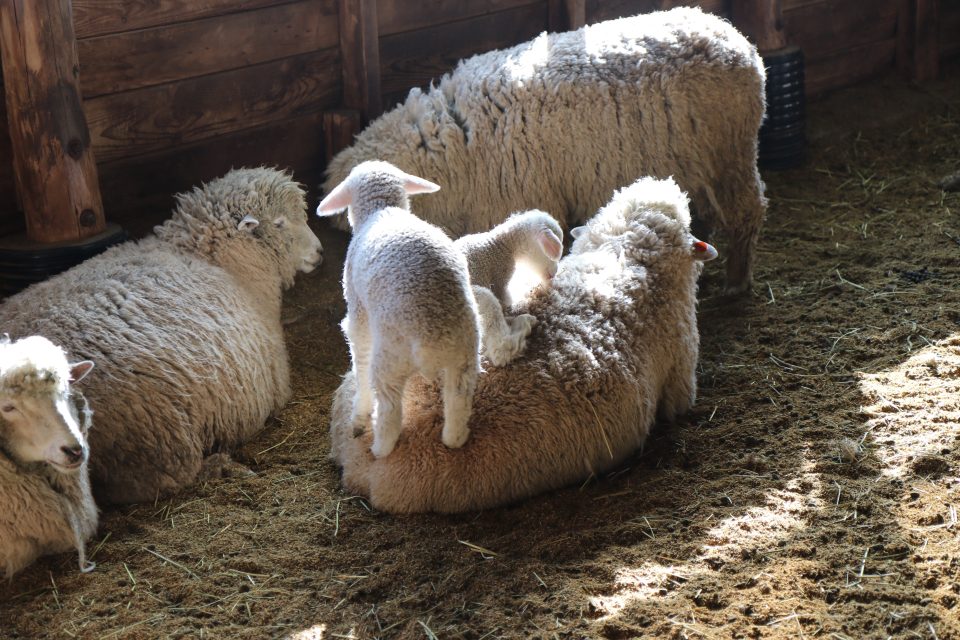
(913, 409)
(756, 529)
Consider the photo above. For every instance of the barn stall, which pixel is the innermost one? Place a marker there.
(812, 490)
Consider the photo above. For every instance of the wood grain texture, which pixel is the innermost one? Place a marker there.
(163, 117)
(761, 21)
(101, 17)
(834, 26)
(949, 29)
(413, 58)
(132, 60)
(410, 15)
(55, 172)
(138, 193)
(849, 66)
(360, 57)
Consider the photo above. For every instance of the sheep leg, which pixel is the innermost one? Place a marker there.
(389, 379)
(221, 465)
(503, 338)
(358, 337)
(459, 384)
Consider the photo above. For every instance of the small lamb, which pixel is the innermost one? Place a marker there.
(410, 308)
(46, 505)
(533, 238)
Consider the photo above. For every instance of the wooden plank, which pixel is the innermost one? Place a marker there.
(849, 66)
(830, 27)
(927, 52)
(155, 56)
(157, 118)
(566, 15)
(360, 57)
(101, 17)
(11, 217)
(949, 29)
(410, 15)
(414, 58)
(339, 129)
(761, 21)
(56, 175)
(139, 193)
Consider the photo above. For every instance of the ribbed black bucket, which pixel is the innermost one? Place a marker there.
(23, 262)
(783, 139)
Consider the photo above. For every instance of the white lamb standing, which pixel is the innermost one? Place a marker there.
(615, 345)
(185, 328)
(563, 120)
(530, 238)
(410, 308)
(45, 501)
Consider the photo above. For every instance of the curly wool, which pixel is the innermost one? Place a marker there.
(616, 344)
(561, 121)
(185, 329)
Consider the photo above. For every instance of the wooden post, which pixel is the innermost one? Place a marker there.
(360, 57)
(339, 127)
(761, 21)
(566, 15)
(56, 174)
(918, 43)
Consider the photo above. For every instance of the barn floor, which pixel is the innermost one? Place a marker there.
(813, 492)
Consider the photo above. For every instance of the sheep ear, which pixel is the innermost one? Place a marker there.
(336, 201)
(79, 370)
(704, 251)
(249, 223)
(413, 184)
(576, 232)
(550, 243)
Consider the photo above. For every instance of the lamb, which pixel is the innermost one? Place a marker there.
(410, 308)
(185, 328)
(561, 121)
(45, 501)
(532, 238)
(615, 345)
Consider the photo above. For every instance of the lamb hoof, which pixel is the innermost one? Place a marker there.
(457, 440)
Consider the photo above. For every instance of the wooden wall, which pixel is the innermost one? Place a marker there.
(179, 91)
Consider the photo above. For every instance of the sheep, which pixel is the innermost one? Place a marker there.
(615, 345)
(533, 238)
(561, 121)
(45, 501)
(185, 328)
(410, 308)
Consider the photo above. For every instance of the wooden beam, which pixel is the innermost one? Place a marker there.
(56, 174)
(918, 41)
(761, 21)
(339, 128)
(360, 57)
(566, 15)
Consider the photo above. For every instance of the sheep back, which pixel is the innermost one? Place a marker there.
(559, 122)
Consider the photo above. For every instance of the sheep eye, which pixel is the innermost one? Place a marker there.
(8, 407)
(280, 223)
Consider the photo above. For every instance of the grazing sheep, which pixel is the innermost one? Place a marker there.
(561, 121)
(45, 500)
(615, 344)
(410, 308)
(532, 238)
(185, 328)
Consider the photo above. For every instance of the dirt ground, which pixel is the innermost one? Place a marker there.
(812, 492)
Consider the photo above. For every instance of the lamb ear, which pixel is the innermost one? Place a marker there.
(704, 251)
(336, 201)
(576, 232)
(550, 243)
(79, 370)
(413, 184)
(249, 223)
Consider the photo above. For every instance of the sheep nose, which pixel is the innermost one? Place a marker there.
(74, 454)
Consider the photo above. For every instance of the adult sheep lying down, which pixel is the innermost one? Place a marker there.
(615, 345)
(185, 329)
(559, 122)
